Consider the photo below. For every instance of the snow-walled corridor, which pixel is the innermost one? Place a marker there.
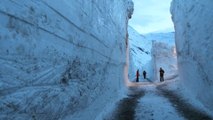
(77, 60)
(151, 99)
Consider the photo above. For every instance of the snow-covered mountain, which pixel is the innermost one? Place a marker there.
(59, 58)
(167, 38)
(194, 42)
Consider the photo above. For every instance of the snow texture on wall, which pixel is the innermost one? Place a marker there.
(58, 57)
(164, 56)
(140, 54)
(193, 22)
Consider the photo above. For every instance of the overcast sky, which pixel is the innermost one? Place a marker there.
(151, 16)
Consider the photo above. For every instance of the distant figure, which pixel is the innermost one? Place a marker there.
(161, 75)
(137, 76)
(144, 74)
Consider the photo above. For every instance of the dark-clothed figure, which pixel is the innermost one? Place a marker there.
(144, 74)
(161, 75)
(137, 76)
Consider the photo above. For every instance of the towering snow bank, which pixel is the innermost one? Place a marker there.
(163, 54)
(58, 57)
(194, 42)
(140, 54)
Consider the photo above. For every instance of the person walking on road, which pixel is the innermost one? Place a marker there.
(137, 76)
(144, 74)
(161, 75)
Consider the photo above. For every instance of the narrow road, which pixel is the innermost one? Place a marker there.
(155, 102)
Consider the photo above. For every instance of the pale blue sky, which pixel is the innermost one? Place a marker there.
(151, 16)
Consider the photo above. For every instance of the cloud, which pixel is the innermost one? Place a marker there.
(151, 16)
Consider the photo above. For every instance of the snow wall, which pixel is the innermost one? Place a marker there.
(140, 55)
(59, 57)
(194, 42)
(164, 55)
